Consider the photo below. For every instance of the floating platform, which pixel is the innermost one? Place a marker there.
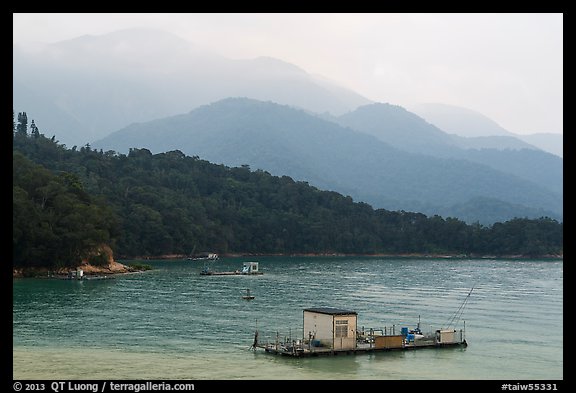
(248, 268)
(305, 350)
(333, 331)
(234, 273)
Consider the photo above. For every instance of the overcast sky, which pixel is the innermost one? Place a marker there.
(507, 66)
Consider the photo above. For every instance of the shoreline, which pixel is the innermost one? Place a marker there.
(377, 255)
(110, 270)
(119, 268)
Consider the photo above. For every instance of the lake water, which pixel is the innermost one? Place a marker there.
(172, 323)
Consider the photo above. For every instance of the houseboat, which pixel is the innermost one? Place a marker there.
(333, 331)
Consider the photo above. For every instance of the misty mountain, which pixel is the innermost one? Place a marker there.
(398, 127)
(458, 120)
(286, 141)
(89, 86)
(480, 131)
(406, 131)
(499, 142)
(552, 143)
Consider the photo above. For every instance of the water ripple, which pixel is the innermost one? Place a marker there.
(172, 323)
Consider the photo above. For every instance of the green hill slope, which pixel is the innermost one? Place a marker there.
(286, 141)
(170, 203)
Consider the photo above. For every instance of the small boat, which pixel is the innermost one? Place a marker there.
(205, 257)
(417, 333)
(248, 296)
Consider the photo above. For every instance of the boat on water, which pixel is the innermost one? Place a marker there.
(333, 331)
(203, 256)
(207, 256)
(416, 332)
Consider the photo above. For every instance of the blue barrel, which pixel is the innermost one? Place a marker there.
(410, 337)
(404, 331)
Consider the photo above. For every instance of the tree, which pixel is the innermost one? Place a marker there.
(169, 203)
(22, 127)
(34, 130)
(53, 221)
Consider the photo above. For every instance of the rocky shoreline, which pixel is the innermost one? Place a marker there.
(112, 268)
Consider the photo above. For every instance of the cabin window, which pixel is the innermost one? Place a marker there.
(341, 328)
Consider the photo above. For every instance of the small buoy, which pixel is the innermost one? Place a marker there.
(248, 296)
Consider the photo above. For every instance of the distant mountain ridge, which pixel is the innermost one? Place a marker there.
(136, 88)
(398, 127)
(458, 120)
(552, 143)
(479, 129)
(406, 131)
(94, 85)
(286, 141)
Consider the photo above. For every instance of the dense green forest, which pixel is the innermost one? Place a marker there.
(66, 201)
(421, 171)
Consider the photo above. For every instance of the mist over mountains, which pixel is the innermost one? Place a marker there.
(406, 131)
(84, 88)
(481, 131)
(150, 89)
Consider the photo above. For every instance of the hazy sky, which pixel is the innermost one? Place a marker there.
(507, 66)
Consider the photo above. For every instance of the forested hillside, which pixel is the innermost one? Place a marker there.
(357, 162)
(145, 204)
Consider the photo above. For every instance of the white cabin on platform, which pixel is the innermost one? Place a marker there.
(250, 268)
(331, 327)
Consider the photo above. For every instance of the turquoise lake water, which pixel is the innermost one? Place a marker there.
(172, 323)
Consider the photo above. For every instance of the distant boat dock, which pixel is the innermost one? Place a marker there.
(332, 331)
(248, 268)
